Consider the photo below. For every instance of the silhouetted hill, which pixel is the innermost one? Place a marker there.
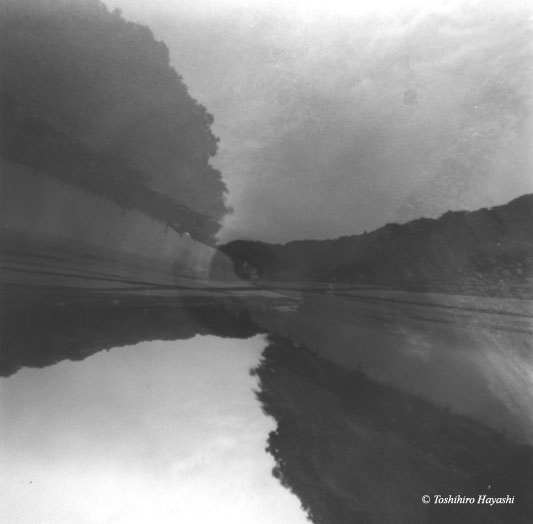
(489, 251)
(91, 98)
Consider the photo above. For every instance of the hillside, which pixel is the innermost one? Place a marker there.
(486, 252)
(91, 99)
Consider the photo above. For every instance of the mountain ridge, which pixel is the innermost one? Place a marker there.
(487, 251)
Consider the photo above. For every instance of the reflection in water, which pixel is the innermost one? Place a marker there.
(472, 354)
(118, 425)
(354, 450)
(157, 432)
(42, 334)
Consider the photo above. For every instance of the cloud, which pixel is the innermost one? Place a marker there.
(332, 122)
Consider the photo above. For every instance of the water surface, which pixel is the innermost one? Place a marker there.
(156, 432)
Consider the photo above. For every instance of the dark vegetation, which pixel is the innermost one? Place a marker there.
(91, 99)
(485, 252)
(354, 450)
(39, 331)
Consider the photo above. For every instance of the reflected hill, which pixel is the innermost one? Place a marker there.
(354, 450)
(42, 332)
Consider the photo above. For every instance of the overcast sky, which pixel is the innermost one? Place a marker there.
(336, 117)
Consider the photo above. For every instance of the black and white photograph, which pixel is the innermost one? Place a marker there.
(266, 262)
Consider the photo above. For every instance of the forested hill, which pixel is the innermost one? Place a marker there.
(91, 98)
(488, 252)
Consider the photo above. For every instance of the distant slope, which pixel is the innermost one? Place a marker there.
(91, 98)
(489, 251)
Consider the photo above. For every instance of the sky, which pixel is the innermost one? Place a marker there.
(161, 432)
(338, 116)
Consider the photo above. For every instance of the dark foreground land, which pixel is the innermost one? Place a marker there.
(355, 451)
